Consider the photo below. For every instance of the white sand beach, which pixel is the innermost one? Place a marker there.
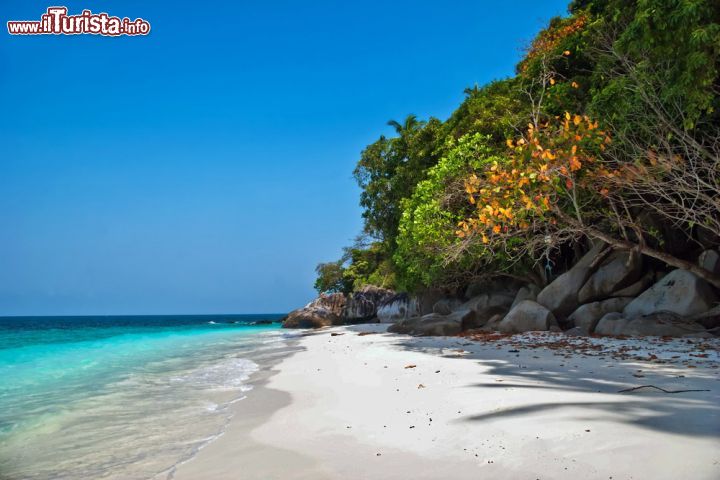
(357, 403)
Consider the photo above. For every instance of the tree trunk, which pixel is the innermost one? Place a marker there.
(643, 249)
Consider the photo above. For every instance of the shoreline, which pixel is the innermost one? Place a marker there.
(351, 406)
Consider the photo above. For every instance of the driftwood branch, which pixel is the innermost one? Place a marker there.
(658, 388)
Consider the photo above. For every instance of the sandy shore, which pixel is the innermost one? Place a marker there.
(355, 406)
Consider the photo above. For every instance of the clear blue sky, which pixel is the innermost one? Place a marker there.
(206, 168)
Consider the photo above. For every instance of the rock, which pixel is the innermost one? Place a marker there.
(680, 292)
(324, 311)
(500, 299)
(438, 328)
(502, 286)
(427, 299)
(611, 324)
(476, 303)
(432, 324)
(638, 287)
(528, 292)
(709, 319)
(445, 306)
(576, 332)
(527, 316)
(587, 260)
(710, 261)
(362, 306)
(661, 324)
(587, 316)
(561, 296)
(620, 269)
(399, 307)
(480, 318)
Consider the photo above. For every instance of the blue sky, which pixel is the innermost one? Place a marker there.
(206, 168)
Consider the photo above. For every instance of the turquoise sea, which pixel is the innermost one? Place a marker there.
(126, 397)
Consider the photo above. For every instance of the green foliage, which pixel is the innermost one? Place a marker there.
(495, 110)
(331, 278)
(671, 46)
(630, 65)
(430, 216)
(370, 265)
(388, 171)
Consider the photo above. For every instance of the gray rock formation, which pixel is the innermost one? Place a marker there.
(638, 287)
(432, 324)
(362, 306)
(527, 316)
(324, 311)
(528, 292)
(619, 270)
(398, 307)
(657, 324)
(445, 306)
(680, 292)
(710, 261)
(587, 316)
(561, 296)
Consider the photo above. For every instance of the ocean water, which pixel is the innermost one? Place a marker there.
(121, 397)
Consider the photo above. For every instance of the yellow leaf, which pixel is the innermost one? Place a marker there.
(566, 52)
(552, 81)
(577, 119)
(574, 85)
(567, 115)
(509, 143)
(575, 164)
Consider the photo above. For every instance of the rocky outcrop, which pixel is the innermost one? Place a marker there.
(482, 317)
(362, 306)
(656, 324)
(446, 306)
(432, 324)
(680, 292)
(324, 311)
(638, 287)
(621, 269)
(527, 316)
(398, 307)
(561, 296)
(587, 316)
(709, 319)
(710, 261)
(528, 292)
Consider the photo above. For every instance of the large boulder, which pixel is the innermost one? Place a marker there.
(561, 296)
(709, 319)
(528, 292)
(362, 306)
(680, 292)
(481, 317)
(638, 287)
(620, 269)
(445, 306)
(587, 316)
(499, 286)
(432, 324)
(661, 324)
(324, 311)
(398, 307)
(710, 261)
(527, 316)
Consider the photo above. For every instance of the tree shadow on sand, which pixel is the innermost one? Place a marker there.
(686, 413)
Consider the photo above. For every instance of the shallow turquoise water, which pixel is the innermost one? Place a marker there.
(120, 397)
